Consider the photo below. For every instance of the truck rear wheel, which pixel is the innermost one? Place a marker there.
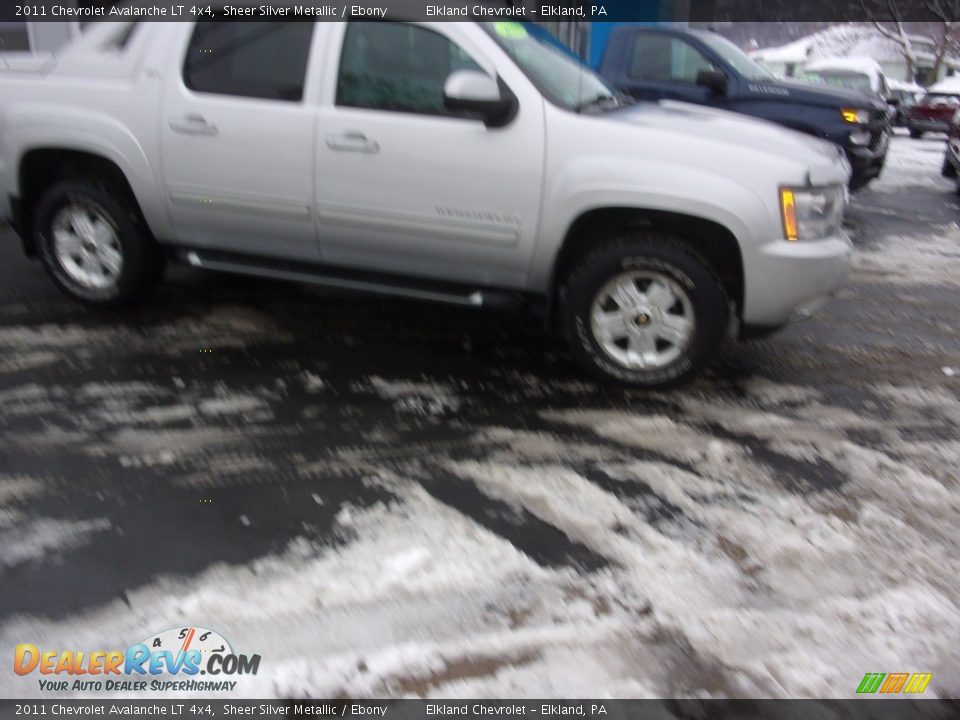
(92, 244)
(644, 311)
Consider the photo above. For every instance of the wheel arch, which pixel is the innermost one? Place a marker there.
(42, 166)
(709, 239)
(68, 136)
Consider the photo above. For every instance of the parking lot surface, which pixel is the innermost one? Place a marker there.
(386, 498)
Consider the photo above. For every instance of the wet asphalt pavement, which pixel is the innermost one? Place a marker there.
(148, 453)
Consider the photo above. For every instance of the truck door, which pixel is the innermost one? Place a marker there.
(662, 66)
(405, 186)
(237, 137)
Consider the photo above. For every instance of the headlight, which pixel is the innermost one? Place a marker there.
(853, 115)
(811, 213)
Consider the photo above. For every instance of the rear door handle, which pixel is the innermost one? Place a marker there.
(193, 124)
(352, 141)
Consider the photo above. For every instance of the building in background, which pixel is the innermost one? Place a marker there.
(850, 40)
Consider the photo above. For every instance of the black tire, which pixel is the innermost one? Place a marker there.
(859, 183)
(916, 134)
(947, 169)
(142, 260)
(642, 252)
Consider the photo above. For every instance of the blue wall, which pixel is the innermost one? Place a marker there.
(640, 12)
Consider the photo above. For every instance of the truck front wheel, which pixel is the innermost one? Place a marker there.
(947, 169)
(92, 244)
(645, 311)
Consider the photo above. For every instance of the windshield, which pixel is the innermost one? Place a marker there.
(734, 56)
(836, 78)
(556, 72)
(904, 96)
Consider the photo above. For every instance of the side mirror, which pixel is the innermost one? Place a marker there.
(893, 102)
(714, 80)
(478, 94)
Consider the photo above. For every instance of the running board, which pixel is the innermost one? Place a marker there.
(304, 273)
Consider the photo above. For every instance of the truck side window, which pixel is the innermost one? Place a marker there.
(397, 67)
(14, 36)
(251, 59)
(660, 58)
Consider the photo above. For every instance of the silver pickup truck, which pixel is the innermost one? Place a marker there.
(472, 163)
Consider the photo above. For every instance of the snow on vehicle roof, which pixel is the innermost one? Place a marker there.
(865, 65)
(795, 52)
(907, 86)
(948, 86)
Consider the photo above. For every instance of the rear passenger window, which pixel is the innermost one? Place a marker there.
(14, 36)
(660, 58)
(250, 59)
(397, 66)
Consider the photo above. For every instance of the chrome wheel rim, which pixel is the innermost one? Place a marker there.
(642, 319)
(86, 245)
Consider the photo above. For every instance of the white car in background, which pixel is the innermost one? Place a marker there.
(861, 74)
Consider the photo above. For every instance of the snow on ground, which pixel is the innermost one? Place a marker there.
(913, 163)
(714, 567)
(915, 259)
(911, 257)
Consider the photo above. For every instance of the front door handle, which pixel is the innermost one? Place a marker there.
(352, 142)
(193, 124)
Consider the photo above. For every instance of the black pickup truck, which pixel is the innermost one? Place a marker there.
(700, 66)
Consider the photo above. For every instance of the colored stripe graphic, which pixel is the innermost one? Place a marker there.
(918, 682)
(187, 640)
(894, 682)
(870, 682)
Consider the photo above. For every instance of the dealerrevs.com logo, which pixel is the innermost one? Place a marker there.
(170, 660)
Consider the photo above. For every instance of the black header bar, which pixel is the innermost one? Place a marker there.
(699, 11)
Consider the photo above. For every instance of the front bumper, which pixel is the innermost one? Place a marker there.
(953, 151)
(866, 161)
(928, 125)
(787, 281)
